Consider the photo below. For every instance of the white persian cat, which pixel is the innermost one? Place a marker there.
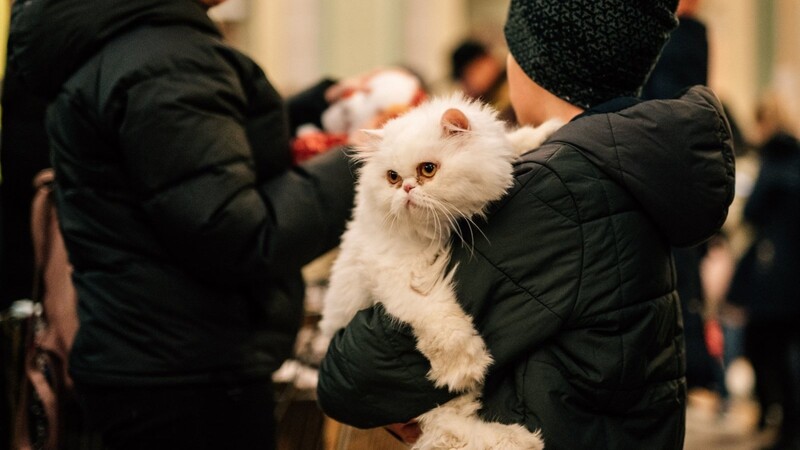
(442, 162)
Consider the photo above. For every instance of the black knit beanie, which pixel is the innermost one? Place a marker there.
(589, 51)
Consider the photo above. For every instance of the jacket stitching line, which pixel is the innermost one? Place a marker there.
(580, 230)
(616, 247)
(520, 287)
(616, 150)
(579, 223)
(534, 172)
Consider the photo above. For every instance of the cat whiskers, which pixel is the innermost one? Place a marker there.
(438, 229)
(452, 214)
(432, 209)
(471, 244)
(389, 220)
(471, 226)
(444, 210)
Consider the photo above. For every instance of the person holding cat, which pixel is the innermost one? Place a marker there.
(571, 281)
(184, 218)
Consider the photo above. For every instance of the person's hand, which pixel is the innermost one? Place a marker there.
(347, 86)
(368, 100)
(407, 432)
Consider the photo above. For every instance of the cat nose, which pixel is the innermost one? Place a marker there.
(407, 187)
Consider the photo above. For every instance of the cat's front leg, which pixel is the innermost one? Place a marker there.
(445, 333)
(457, 353)
(347, 293)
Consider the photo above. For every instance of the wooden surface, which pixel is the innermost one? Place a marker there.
(304, 427)
(343, 437)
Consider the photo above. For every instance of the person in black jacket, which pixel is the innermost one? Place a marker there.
(573, 288)
(766, 282)
(184, 219)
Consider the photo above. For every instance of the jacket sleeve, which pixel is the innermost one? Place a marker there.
(186, 149)
(308, 105)
(373, 374)
(517, 289)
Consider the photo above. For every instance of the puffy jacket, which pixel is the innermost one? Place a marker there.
(183, 218)
(573, 287)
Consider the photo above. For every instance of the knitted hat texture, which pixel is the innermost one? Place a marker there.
(589, 51)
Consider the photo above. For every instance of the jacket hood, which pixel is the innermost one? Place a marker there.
(50, 39)
(674, 156)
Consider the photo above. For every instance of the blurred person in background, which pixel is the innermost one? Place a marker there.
(479, 74)
(572, 284)
(184, 219)
(766, 282)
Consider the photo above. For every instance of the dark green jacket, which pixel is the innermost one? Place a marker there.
(183, 218)
(573, 287)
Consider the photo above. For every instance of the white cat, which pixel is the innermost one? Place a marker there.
(442, 162)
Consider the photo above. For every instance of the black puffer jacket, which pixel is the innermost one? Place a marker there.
(574, 287)
(183, 219)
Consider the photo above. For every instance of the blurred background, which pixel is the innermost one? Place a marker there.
(753, 43)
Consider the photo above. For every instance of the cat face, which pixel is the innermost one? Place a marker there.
(441, 162)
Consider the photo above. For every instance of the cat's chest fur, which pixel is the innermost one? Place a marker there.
(396, 254)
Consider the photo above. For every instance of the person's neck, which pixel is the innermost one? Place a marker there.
(548, 106)
(556, 108)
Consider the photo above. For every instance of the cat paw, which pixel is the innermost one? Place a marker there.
(444, 439)
(318, 348)
(449, 429)
(461, 365)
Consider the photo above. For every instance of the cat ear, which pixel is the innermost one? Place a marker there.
(365, 142)
(454, 122)
(374, 135)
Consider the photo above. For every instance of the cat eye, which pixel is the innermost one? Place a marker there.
(427, 169)
(393, 177)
